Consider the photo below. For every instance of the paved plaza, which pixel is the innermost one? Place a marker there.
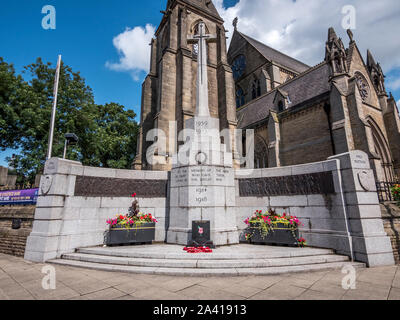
(20, 279)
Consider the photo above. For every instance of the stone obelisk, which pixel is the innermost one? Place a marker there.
(202, 178)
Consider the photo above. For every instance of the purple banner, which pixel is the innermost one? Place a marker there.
(21, 197)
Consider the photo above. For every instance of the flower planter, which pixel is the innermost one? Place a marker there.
(281, 234)
(143, 234)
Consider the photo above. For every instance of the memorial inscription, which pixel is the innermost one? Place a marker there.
(201, 195)
(206, 175)
(314, 183)
(360, 160)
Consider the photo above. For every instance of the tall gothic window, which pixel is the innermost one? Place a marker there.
(195, 46)
(260, 153)
(239, 67)
(281, 106)
(256, 89)
(239, 97)
(253, 91)
(376, 82)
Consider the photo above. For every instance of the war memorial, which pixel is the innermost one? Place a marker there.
(202, 187)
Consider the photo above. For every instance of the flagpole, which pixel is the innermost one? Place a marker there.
(53, 112)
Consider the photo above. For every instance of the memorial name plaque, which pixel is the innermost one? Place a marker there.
(305, 184)
(113, 187)
(360, 160)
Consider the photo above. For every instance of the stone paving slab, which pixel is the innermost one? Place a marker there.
(394, 294)
(20, 280)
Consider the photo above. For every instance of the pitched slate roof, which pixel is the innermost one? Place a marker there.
(304, 87)
(276, 56)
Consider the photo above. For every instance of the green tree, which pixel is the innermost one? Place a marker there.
(107, 134)
(12, 87)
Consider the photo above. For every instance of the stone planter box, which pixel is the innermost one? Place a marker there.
(281, 235)
(143, 234)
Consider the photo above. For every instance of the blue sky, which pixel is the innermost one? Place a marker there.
(83, 36)
(85, 31)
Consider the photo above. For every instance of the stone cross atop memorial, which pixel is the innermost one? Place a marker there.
(202, 109)
(202, 135)
(202, 177)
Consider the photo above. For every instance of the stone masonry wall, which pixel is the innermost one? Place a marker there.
(391, 221)
(13, 241)
(347, 220)
(335, 199)
(323, 216)
(302, 142)
(71, 213)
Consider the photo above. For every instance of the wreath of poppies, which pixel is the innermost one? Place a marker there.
(198, 250)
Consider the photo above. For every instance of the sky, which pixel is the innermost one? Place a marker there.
(107, 40)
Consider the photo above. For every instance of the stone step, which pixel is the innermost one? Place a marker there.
(211, 263)
(206, 272)
(244, 253)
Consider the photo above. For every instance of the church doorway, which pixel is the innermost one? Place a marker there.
(383, 165)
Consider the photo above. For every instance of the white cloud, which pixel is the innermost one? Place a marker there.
(296, 27)
(299, 28)
(394, 84)
(134, 50)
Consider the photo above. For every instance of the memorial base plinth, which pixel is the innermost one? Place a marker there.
(203, 193)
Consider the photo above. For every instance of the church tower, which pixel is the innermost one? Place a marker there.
(169, 90)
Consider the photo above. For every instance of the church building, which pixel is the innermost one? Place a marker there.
(300, 113)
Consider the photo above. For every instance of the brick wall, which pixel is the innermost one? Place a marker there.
(391, 221)
(13, 241)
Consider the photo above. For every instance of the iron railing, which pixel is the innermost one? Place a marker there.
(384, 190)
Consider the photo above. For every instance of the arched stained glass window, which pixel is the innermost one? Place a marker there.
(239, 97)
(238, 67)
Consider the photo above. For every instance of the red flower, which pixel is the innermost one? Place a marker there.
(197, 250)
(133, 195)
